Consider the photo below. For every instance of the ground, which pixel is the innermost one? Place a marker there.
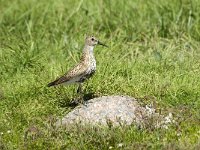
(153, 55)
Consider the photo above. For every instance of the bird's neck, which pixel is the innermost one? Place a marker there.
(88, 49)
(87, 53)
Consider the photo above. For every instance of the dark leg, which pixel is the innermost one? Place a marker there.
(80, 89)
(80, 92)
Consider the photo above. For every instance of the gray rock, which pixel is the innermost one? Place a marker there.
(110, 110)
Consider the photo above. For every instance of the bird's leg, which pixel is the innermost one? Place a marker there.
(80, 92)
(80, 88)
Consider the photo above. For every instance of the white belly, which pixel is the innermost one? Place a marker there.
(92, 66)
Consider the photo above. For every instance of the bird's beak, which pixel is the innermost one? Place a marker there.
(102, 44)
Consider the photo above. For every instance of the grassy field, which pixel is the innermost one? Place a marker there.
(153, 55)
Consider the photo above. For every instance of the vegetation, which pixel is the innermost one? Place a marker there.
(153, 55)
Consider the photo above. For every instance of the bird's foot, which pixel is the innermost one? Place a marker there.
(82, 102)
(79, 101)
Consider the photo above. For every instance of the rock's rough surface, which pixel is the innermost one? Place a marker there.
(106, 110)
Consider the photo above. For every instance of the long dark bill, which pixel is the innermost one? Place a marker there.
(102, 44)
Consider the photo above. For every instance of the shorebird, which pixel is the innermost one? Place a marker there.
(84, 69)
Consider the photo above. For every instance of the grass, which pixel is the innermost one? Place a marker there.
(153, 55)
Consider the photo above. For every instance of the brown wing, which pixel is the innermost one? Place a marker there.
(77, 71)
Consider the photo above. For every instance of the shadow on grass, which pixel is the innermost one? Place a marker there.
(68, 102)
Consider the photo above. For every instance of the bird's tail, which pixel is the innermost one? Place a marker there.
(51, 84)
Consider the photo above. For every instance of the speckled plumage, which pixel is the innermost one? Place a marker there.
(84, 69)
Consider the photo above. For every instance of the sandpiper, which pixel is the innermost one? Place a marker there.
(84, 69)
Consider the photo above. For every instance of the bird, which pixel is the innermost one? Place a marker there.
(84, 70)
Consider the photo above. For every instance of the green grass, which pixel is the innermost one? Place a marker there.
(153, 55)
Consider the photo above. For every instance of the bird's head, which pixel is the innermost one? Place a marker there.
(92, 41)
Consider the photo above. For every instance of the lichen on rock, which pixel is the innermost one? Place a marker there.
(115, 110)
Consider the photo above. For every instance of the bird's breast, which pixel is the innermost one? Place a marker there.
(92, 65)
(91, 68)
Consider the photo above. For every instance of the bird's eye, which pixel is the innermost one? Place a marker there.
(92, 39)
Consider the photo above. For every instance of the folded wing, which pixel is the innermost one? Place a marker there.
(72, 76)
